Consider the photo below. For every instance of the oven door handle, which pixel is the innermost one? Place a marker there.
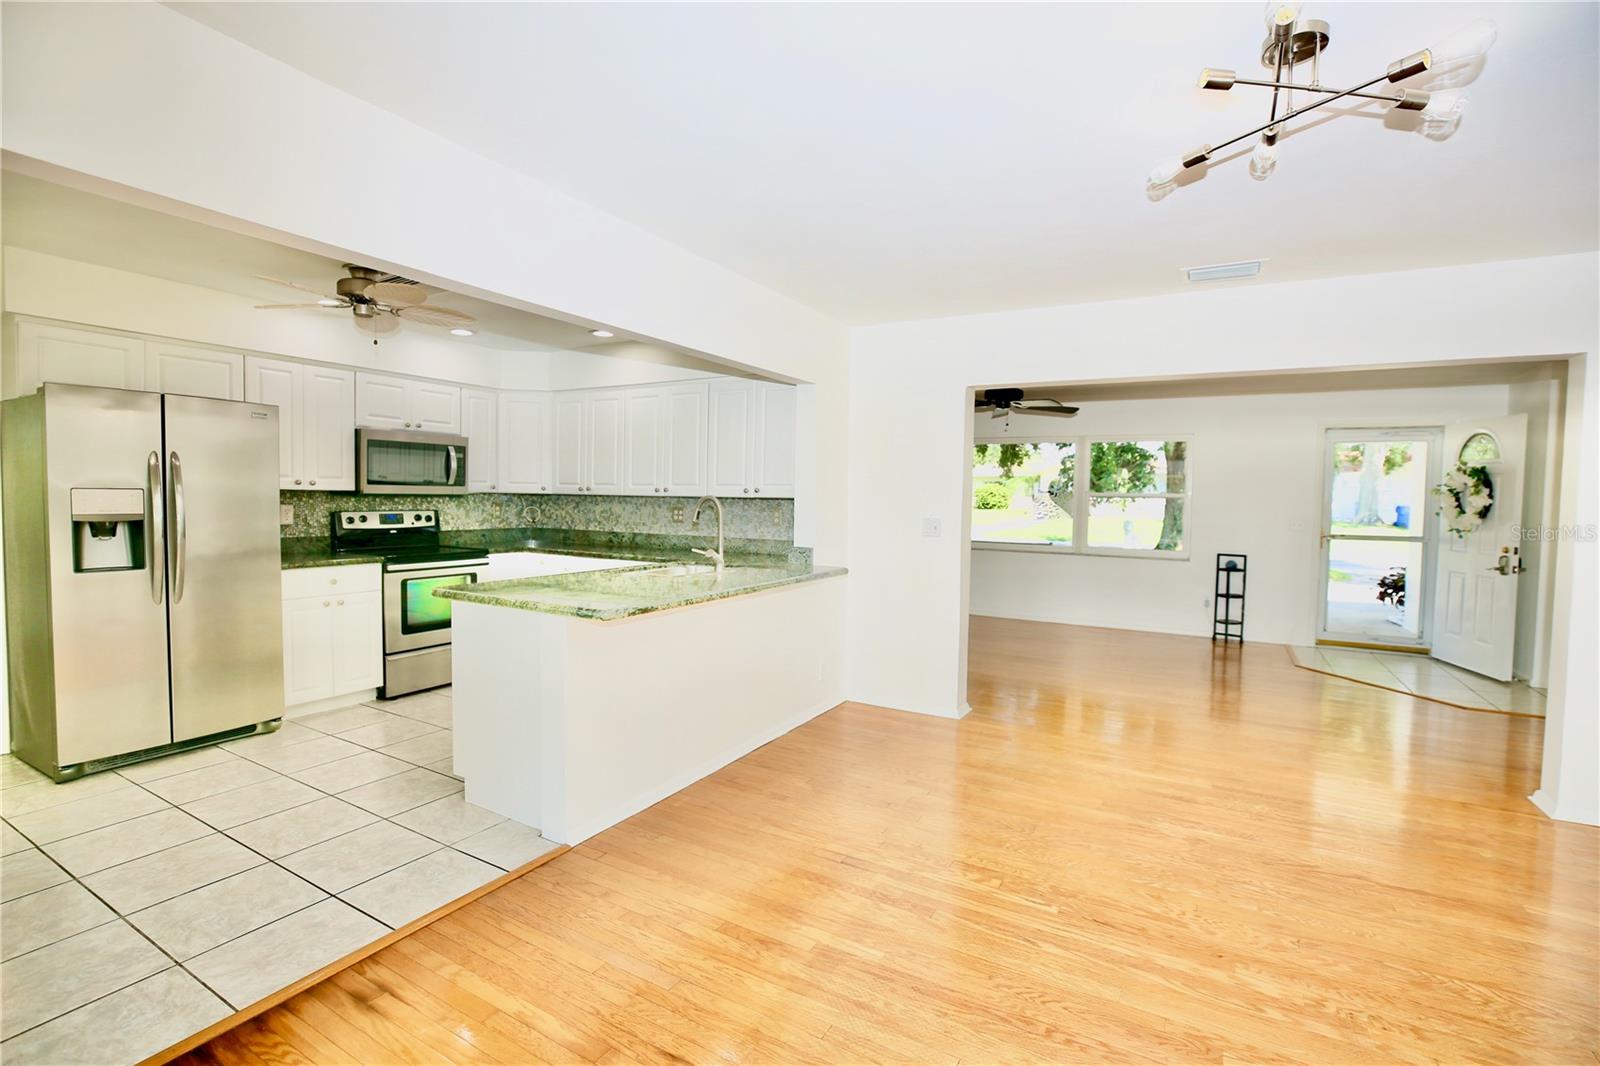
(445, 569)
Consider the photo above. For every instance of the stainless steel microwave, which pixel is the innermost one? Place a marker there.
(408, 462)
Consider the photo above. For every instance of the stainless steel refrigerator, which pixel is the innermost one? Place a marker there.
(143, 587)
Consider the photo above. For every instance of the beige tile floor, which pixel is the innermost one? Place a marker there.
(1422, 676)
(141, 905)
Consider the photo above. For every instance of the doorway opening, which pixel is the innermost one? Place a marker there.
(1378, 539)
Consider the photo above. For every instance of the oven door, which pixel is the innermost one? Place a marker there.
(397, 462)
(413, 617)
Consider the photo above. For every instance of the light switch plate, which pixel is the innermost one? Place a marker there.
(931, 527)
(285, 514)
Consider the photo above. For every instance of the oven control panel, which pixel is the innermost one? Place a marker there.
(386, 519)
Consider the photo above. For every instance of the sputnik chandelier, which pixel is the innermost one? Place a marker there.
(1293, 41)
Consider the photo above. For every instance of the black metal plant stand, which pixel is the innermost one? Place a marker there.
(1227, 622)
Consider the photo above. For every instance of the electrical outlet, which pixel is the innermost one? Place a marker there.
(931, 527)
(677, 512)
(285, 514)
(1206, 602)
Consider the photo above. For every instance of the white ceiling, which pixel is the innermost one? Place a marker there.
(891, 161)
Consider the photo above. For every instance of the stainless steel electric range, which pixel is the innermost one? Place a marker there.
(416, 561)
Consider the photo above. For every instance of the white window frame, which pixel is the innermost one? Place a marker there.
(1081, 496)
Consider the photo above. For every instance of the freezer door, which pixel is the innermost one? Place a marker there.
(92, 673)
(224, 584)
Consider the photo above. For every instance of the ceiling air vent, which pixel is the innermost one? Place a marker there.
(1225, 271)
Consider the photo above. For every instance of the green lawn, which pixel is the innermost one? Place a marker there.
(1018, 527)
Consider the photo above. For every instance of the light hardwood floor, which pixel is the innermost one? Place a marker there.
(1136, 848)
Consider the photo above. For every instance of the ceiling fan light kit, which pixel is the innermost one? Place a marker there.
(1292, 41)
(378, 301)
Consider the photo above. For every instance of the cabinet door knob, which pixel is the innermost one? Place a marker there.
(324, 603)
(341, 603)
(333, 581)
(758, 489)
(297, 481)
(747, 490)
(313, 481)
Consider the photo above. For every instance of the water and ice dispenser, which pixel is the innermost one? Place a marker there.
(108, 529)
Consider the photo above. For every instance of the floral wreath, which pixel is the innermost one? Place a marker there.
(1466, 497)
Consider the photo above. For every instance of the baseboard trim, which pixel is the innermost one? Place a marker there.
(265, 1003)
(1399, 649)
(331, 703)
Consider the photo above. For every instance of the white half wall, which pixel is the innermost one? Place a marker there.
(910, 463)
(1256, 470)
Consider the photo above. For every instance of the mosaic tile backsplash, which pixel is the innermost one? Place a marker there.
(766, 519)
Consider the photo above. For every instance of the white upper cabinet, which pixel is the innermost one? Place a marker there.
(42, 351)
(751, 438)
(479, 413)
(775, 430)
(404, 403)
(316, 421)
(281, 384)
(524, 442)
(604, 433)
(664, 440)
(569, 463)
(193, 371)
(328, 430)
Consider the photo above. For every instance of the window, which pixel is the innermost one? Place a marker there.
(1025, 495)
(1480, 448)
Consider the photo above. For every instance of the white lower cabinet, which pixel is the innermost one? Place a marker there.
(332, 632)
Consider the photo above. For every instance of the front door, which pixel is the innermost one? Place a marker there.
(1475, 610)
(1377, 554)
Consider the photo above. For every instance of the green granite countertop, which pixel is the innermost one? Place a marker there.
(606, 595)
(298, 552)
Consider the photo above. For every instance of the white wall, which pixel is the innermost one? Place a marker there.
(1256, 471)
(911, 428)
(1541, 496)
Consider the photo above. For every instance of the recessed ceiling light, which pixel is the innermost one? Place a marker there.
(1225, 271)
(331, 303)
(459, 332)
(601, 333)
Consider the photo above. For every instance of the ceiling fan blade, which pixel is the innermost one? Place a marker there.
(435, 316)
(1054, 408)
(285, 307)
(377, 323)
(398, 293)
(296, 285)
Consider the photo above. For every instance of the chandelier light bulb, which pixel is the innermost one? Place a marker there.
(1166, 171)
(1280, 16)
(1442, 116)
(1263, 160)
(1470, 42)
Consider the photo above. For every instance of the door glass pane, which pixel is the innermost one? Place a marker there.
(1022, 492)
(1379, 488)
(1148, 524)
(404, 462)
(420, 609)
(1375, 589)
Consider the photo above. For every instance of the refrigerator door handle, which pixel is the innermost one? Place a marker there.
(180, 529)
(450, 457)
(155, 545)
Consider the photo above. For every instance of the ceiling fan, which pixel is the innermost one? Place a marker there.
(377, 300)
(1003, 402)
